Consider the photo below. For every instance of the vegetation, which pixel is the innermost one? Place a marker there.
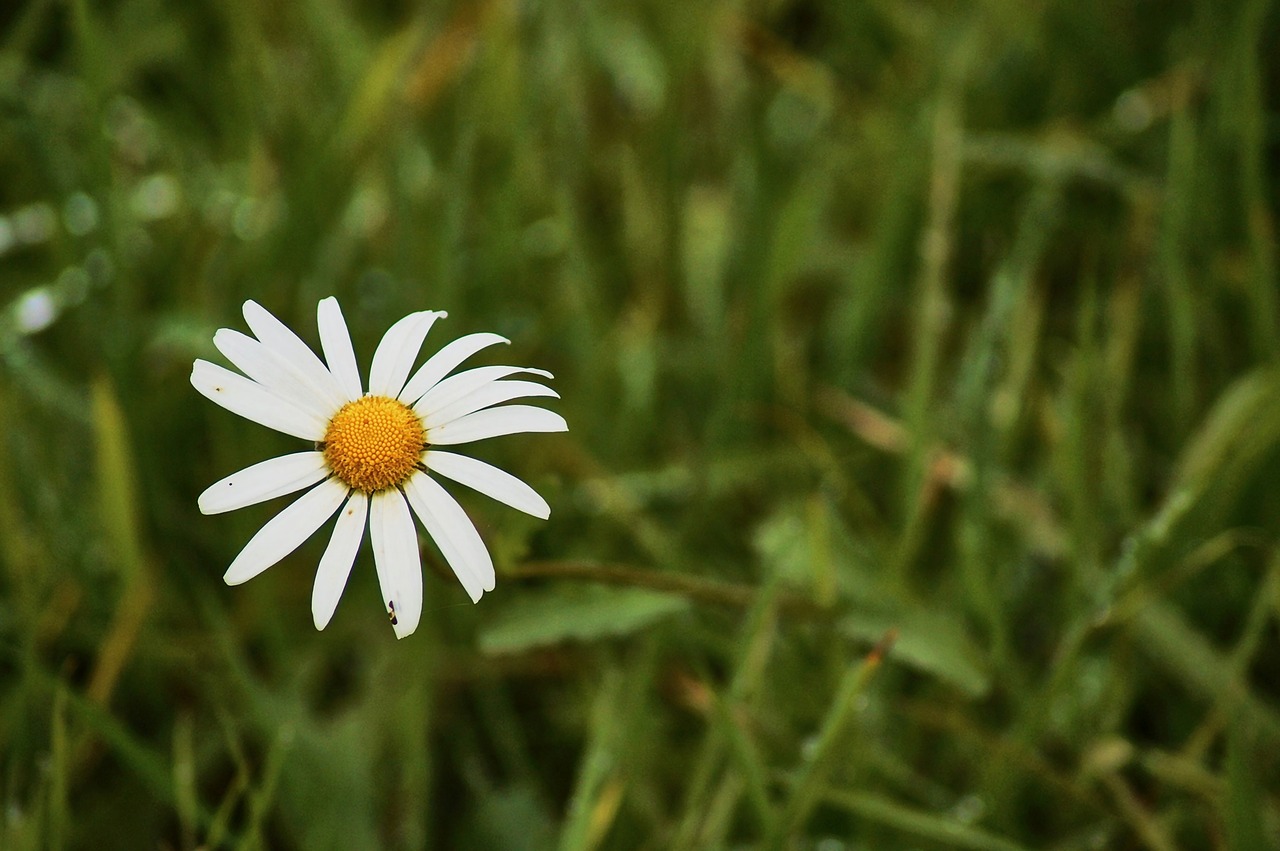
(922, 367)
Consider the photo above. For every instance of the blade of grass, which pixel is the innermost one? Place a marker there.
(747, 758)
(262, 798)
(1243, 423)
(807, 785)
(975, 385)
(925, 825)
(60, 768)
(1136, 814)
(1249, 115)
(936, 246)
(149, 767)
(1172, 643)
(592, 804)
(695, 588)
(19, 549)
(1174, 246)
(701, 817)
(1245, 800)
(185, 792)
(120, 512)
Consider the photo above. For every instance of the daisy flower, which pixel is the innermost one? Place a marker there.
(376, 454)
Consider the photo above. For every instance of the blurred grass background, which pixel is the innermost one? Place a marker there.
(921, 363)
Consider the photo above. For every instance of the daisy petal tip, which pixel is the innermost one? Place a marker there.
(234, 576)
(536, 506)
(405, 624)
(327, 306)
(322, 612)
(214, 500)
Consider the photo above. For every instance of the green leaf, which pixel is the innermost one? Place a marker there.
(576, 613)
(1243, 425)
(117, 491)
(932, 642)
(340, 812)
(926, 825)
(809, 546)
(512, 817)
(1186, 654)
(1245, 798)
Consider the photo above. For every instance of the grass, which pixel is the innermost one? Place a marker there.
(920, 361)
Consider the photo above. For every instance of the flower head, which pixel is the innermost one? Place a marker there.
(375, 458)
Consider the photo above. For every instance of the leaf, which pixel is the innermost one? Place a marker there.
(1243, 424)
(931, 642)
(576, 613)
(927, 825)
(511, 817)
(1173, 644)
(117, 491)
(1245, 798)
(809, 546)
(338, 811)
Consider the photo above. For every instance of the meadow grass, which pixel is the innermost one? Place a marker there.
(922, 367)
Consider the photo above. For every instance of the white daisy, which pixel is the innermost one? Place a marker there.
(375, 452)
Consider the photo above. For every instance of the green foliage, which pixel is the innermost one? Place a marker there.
(574, 614)
(920, 361)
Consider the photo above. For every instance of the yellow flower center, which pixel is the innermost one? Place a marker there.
(374, 443)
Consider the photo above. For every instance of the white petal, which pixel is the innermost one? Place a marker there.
(455, 387)
(454, 533)
(264, 480)
(277, 337)
(252, 401)
(397, 352)
(443, 362)
(335, 340)
(495, 422)
(271, 371)
(395, 553)
(493, 393)
(488, 480)
(285, 532)
(335, 564)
